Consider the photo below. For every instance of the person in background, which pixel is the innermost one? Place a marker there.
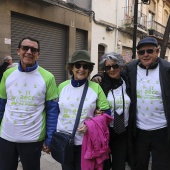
(70, 93)
(13, 65)
(28, 109)
(7, 62)
(115, 86)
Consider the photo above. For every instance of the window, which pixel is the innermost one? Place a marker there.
(101, 51)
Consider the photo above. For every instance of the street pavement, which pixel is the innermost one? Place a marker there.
(48, 163)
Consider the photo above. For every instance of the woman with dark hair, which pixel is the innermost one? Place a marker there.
(115, 87)
(70, 93)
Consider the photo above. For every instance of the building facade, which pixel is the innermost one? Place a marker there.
(60, 28)
(63, 26)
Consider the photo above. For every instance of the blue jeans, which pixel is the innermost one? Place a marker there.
(156, 143)
(29, 154)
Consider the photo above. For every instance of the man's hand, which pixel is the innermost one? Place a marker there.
(45, 148)
(97, 79)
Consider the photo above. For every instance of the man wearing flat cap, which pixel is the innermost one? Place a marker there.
(149, 115)
(149, 79)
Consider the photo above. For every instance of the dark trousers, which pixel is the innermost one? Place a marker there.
(119, 148)
(75, 163)
(156, 143)
(29, 154)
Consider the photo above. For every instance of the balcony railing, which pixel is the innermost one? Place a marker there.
(153, 25)
(129, 19)
(156, 29)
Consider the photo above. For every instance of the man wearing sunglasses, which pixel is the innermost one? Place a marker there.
(28, 109)
(149, 115)
(149, 79)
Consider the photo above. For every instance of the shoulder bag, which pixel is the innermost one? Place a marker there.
(62, 144)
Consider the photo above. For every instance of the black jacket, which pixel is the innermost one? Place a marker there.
(3, 67)
(109, 83)
(164, 73)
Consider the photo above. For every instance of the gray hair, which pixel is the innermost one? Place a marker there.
(112, 56)
(6, 58)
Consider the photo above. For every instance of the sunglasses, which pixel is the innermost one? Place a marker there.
(26, 48)
(114, 66)
(149, 51)
(85, 66)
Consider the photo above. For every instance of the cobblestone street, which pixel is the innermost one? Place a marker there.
(48, 163)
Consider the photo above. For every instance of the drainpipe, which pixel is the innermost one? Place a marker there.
(116, 31)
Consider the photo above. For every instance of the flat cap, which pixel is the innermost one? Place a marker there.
(147, 40)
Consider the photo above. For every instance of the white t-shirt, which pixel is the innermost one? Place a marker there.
(119, 103)
(24, 118)
(150, 111)
(69, 99)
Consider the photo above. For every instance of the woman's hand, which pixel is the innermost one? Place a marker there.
(98, 112)
(82, 129)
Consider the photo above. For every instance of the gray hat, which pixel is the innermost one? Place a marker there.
(80, 55)
(112, 56)
(147, 40)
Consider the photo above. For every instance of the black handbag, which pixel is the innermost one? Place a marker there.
(62, 144)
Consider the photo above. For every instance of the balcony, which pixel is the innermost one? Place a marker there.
(128, 21)
(157, 30)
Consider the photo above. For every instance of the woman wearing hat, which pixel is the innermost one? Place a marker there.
(114, 85)
(70, 93)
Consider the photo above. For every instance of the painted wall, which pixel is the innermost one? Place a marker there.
(110, 13)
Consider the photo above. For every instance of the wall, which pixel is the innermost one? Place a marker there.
(111, 13)
(86, 4)
(57, 14)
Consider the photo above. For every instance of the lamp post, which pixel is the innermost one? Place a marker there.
(147, 2)
(135, 28)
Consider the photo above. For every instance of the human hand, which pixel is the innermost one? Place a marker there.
(46, 149)
(82, 129)
(98, 112)
(97, 79)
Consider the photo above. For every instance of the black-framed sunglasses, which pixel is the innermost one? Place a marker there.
(149, 51)
(26, 48)
(114, 66)
(78, 66)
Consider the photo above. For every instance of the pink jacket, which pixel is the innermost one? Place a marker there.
(95, 146)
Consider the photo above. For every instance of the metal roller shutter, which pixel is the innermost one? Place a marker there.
(81, 40)
(53, 42)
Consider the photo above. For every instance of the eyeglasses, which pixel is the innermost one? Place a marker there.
(149, 51)
(26, 48)
(85, 66)
(114, 66)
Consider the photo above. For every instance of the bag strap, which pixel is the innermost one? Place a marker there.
(79, 110)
